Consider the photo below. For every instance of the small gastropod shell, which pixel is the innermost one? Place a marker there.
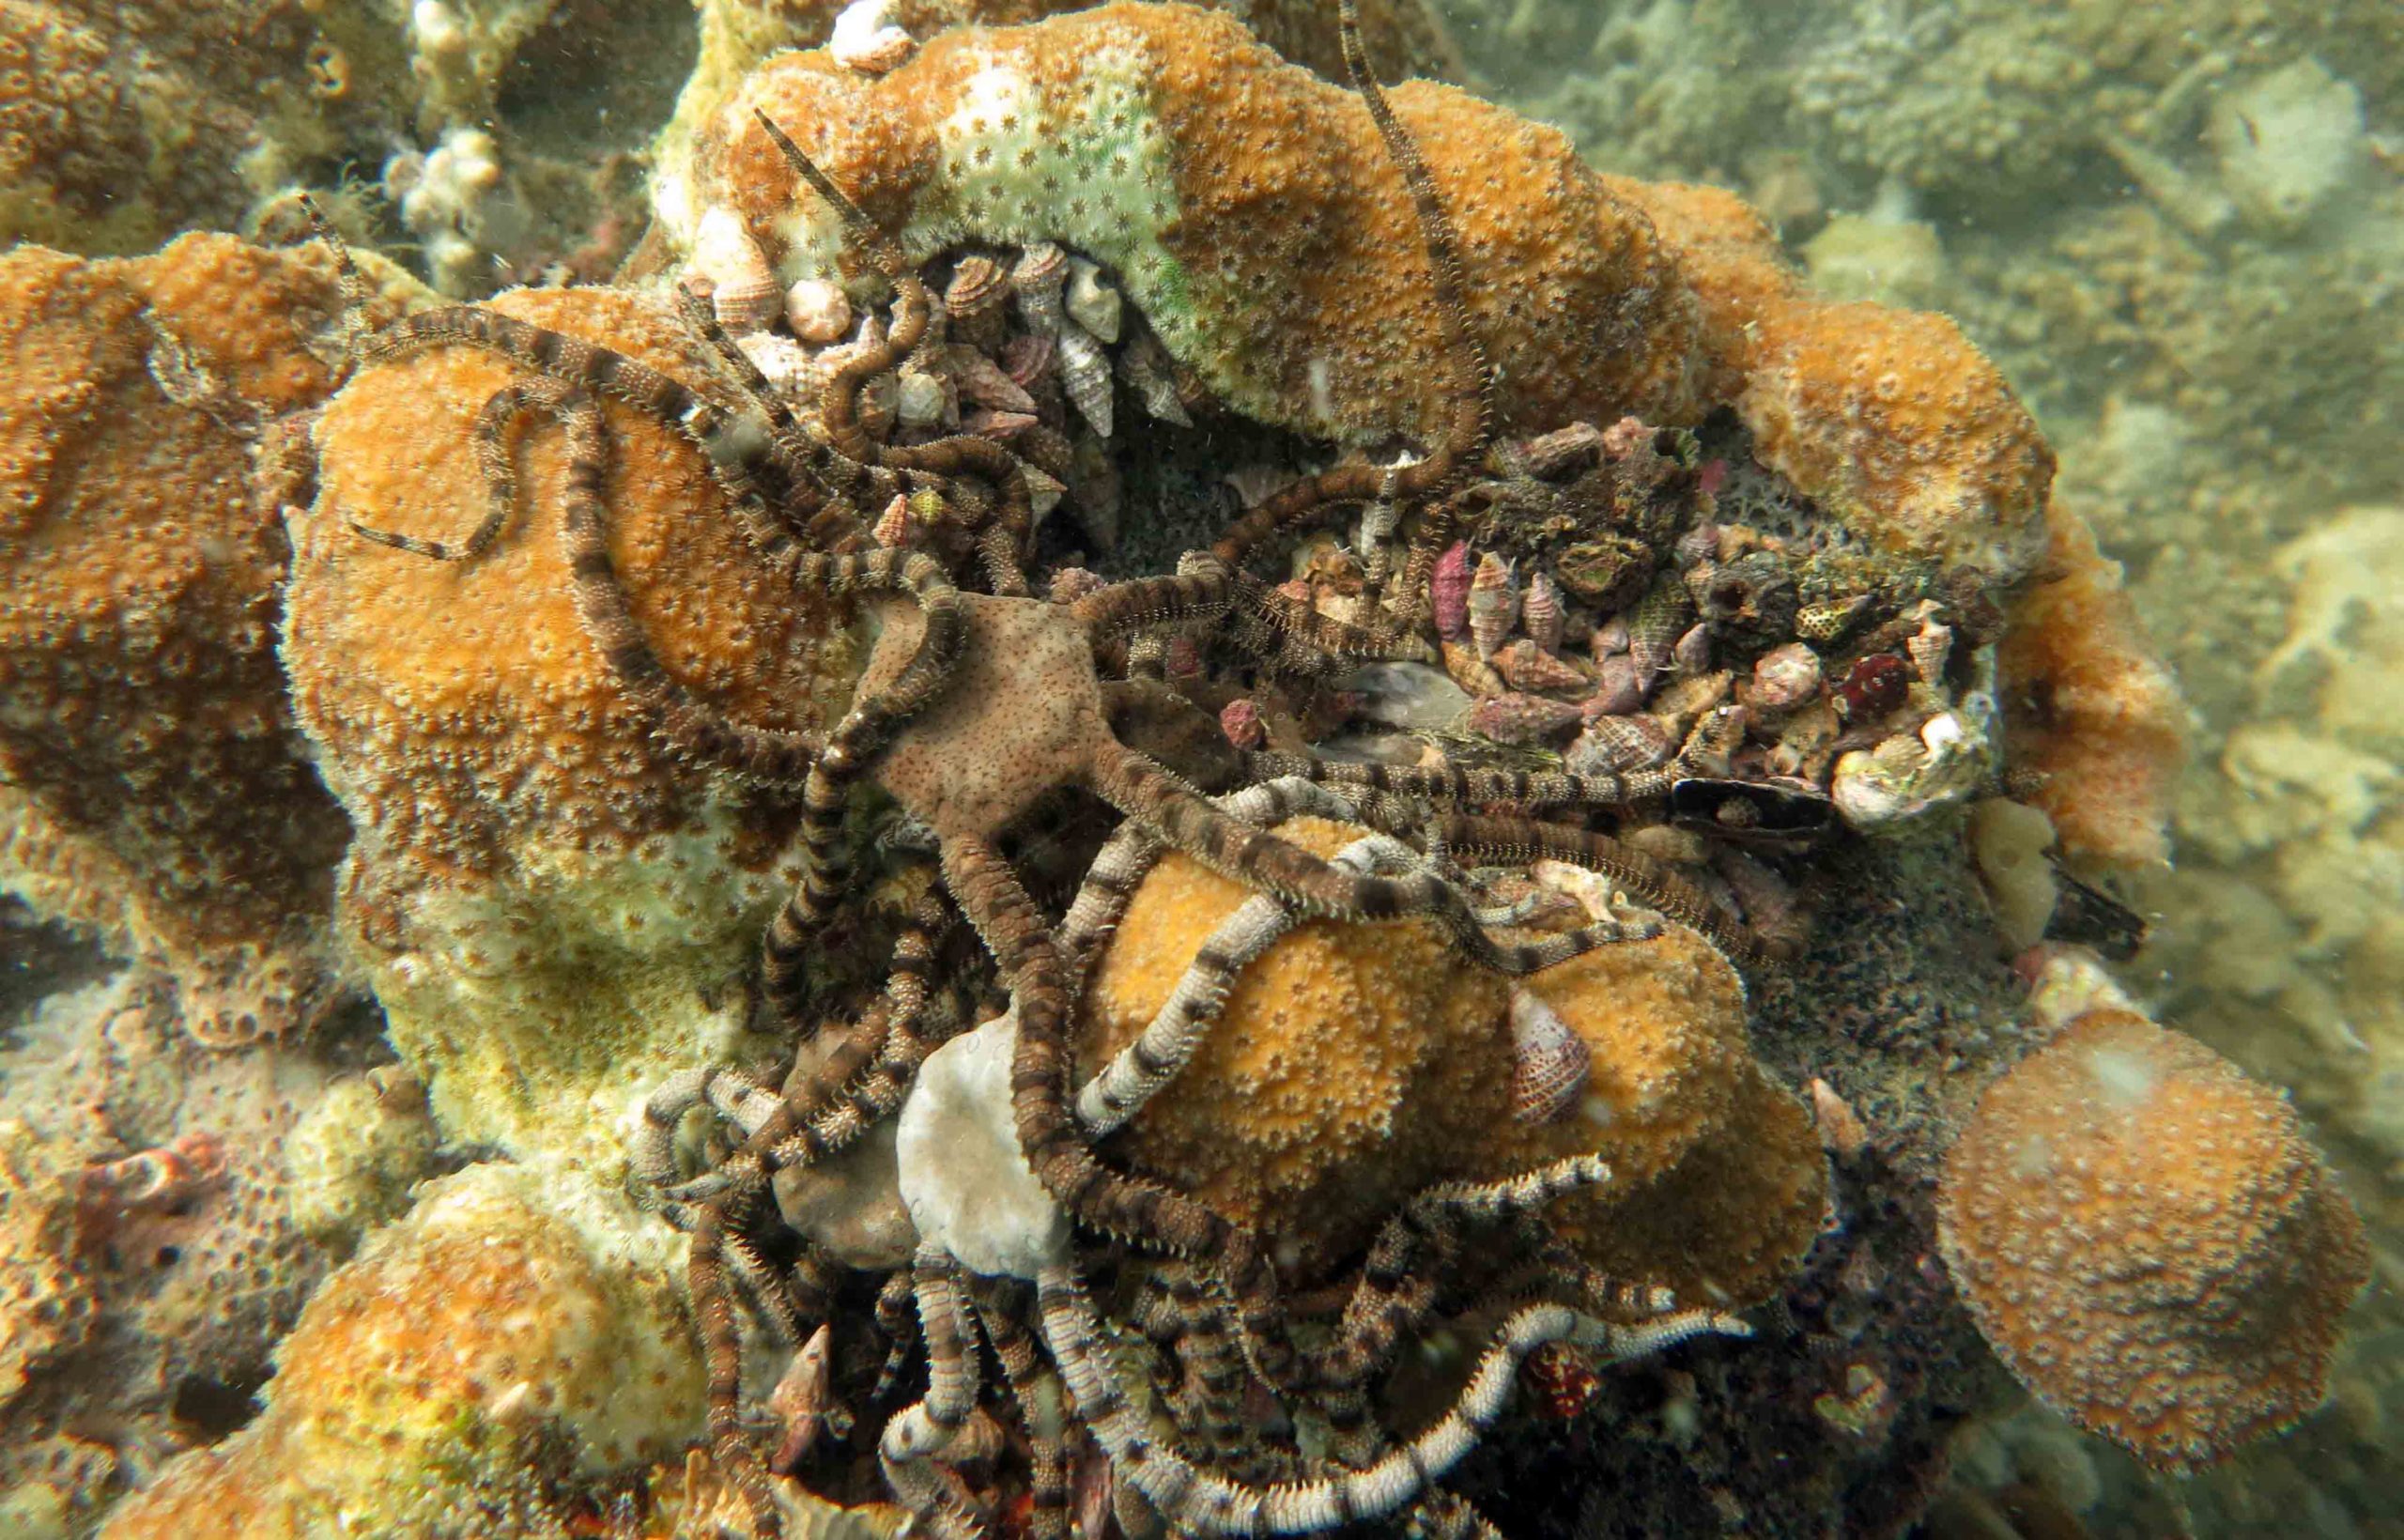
(1549, 1062)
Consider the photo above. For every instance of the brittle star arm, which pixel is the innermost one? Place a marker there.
(1396, 1291)
(850, 750)
(1195, 1501)
(1186, 819)
(1518, 841)
(1041, 985)
(911, 1447)
(1022, 1363)
(1472, 416)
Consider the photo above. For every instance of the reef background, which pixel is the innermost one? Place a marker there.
(2177, 230)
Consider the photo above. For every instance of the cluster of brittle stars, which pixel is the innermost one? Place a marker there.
(972, 708)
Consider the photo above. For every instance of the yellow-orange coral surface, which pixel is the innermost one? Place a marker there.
(1252, 212)
(142, 550)
(2149, 1241)
(1355, 1064)
(2087, 707)
(464, 711)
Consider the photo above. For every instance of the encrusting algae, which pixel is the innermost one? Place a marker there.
(1506, 638)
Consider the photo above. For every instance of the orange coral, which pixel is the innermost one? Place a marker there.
(1403, 37)
(2149, 1241)
(141, 477)
(464, 709)
(1890, 418)
(119, 124)
(489, 1336)
(539, 887)
(1355, 1064)
(1252, 213)
(1248, 205)
(2088, 708)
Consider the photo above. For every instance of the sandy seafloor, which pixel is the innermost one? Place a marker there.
(2179, 230)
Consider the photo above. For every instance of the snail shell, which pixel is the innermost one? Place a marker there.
(1618, 688)
(1493, 604)
(1000, 426)
(978, 285)
(1612, 745)
(818, 311)
(1085, 373)
(1549, 1062)
(1448, 593)
(1659, 618)
(1541, 612)
(920, 399)
(1145, 366)
(1528, 667)
(1038, 277)
(1930, 647)
(1785, 677)
(894, 526)
(1692, 653)
(1516, 719)
(1092, 302)
(1825, 621)
(743, 292)
(865, 38)
(984, 383)
(1028, 357)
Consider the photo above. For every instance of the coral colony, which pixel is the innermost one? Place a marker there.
(1142, 790)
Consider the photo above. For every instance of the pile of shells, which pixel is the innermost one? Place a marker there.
(1029, 347)
(1605, 616)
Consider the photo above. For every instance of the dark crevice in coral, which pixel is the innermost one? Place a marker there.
(210, 1408)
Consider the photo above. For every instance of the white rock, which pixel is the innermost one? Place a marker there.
(866, 39)
(2289, 142)
(967, 1184)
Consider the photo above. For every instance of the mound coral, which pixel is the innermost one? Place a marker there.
(507, 1330)
(141, 478)
(532, 873)
(1355, 1065)
(1236, 202)
(2150, 1242)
